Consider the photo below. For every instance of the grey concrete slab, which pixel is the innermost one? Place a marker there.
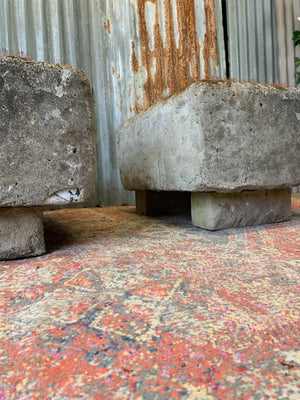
(214, 136)
(47, 138)
(215, 211)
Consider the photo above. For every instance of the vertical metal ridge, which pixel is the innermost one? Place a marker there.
(287, 12)
(220, 39)
(233, 42)
(252, 41)
(274, 49)
(4, 26)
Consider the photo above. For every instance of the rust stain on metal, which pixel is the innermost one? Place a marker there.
(210, 45)
(173, 65)
(188, 54)
(107, 25)
(134, 60)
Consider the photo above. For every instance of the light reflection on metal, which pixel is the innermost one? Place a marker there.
(260, 39)
(252, 40)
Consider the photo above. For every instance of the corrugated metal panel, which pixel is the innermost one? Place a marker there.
(287, 12)
(251, 40)
(134, 52)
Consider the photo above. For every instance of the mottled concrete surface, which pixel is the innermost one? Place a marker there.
(235, 210)
(132, 307)
(21, 232)
(214, 136)
(47, 143)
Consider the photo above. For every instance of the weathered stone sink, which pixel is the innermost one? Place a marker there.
(235, 147)
(47, 148)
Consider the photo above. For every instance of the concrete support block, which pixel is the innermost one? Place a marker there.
(21, 232)
(149, 202)
(215, 211)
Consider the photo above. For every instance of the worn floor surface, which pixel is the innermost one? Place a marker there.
(132, 307)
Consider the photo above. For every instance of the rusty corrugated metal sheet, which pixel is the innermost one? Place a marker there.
(134, 52)
(176, 44)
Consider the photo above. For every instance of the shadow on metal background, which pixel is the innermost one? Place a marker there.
(134, 52)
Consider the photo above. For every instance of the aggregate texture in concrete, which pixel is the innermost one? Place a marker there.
(219, 136)
(21, 232)
(215, 211)
(47, 142)
(47, 148)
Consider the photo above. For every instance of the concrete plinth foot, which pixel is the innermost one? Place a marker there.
(215, 211)
(155, 203)
(21, 232)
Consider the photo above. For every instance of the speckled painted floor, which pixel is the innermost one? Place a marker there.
(132, 307)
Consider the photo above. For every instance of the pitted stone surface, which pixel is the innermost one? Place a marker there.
(47, 144)
(214, 136)
(21, 232)
(215, 211)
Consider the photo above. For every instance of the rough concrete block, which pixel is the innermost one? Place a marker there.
(21, 232)
(47, 143)
(214, 136)
(232, 210)
(47, 148)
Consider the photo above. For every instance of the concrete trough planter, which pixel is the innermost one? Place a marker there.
(233, 148)
(47, 148)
